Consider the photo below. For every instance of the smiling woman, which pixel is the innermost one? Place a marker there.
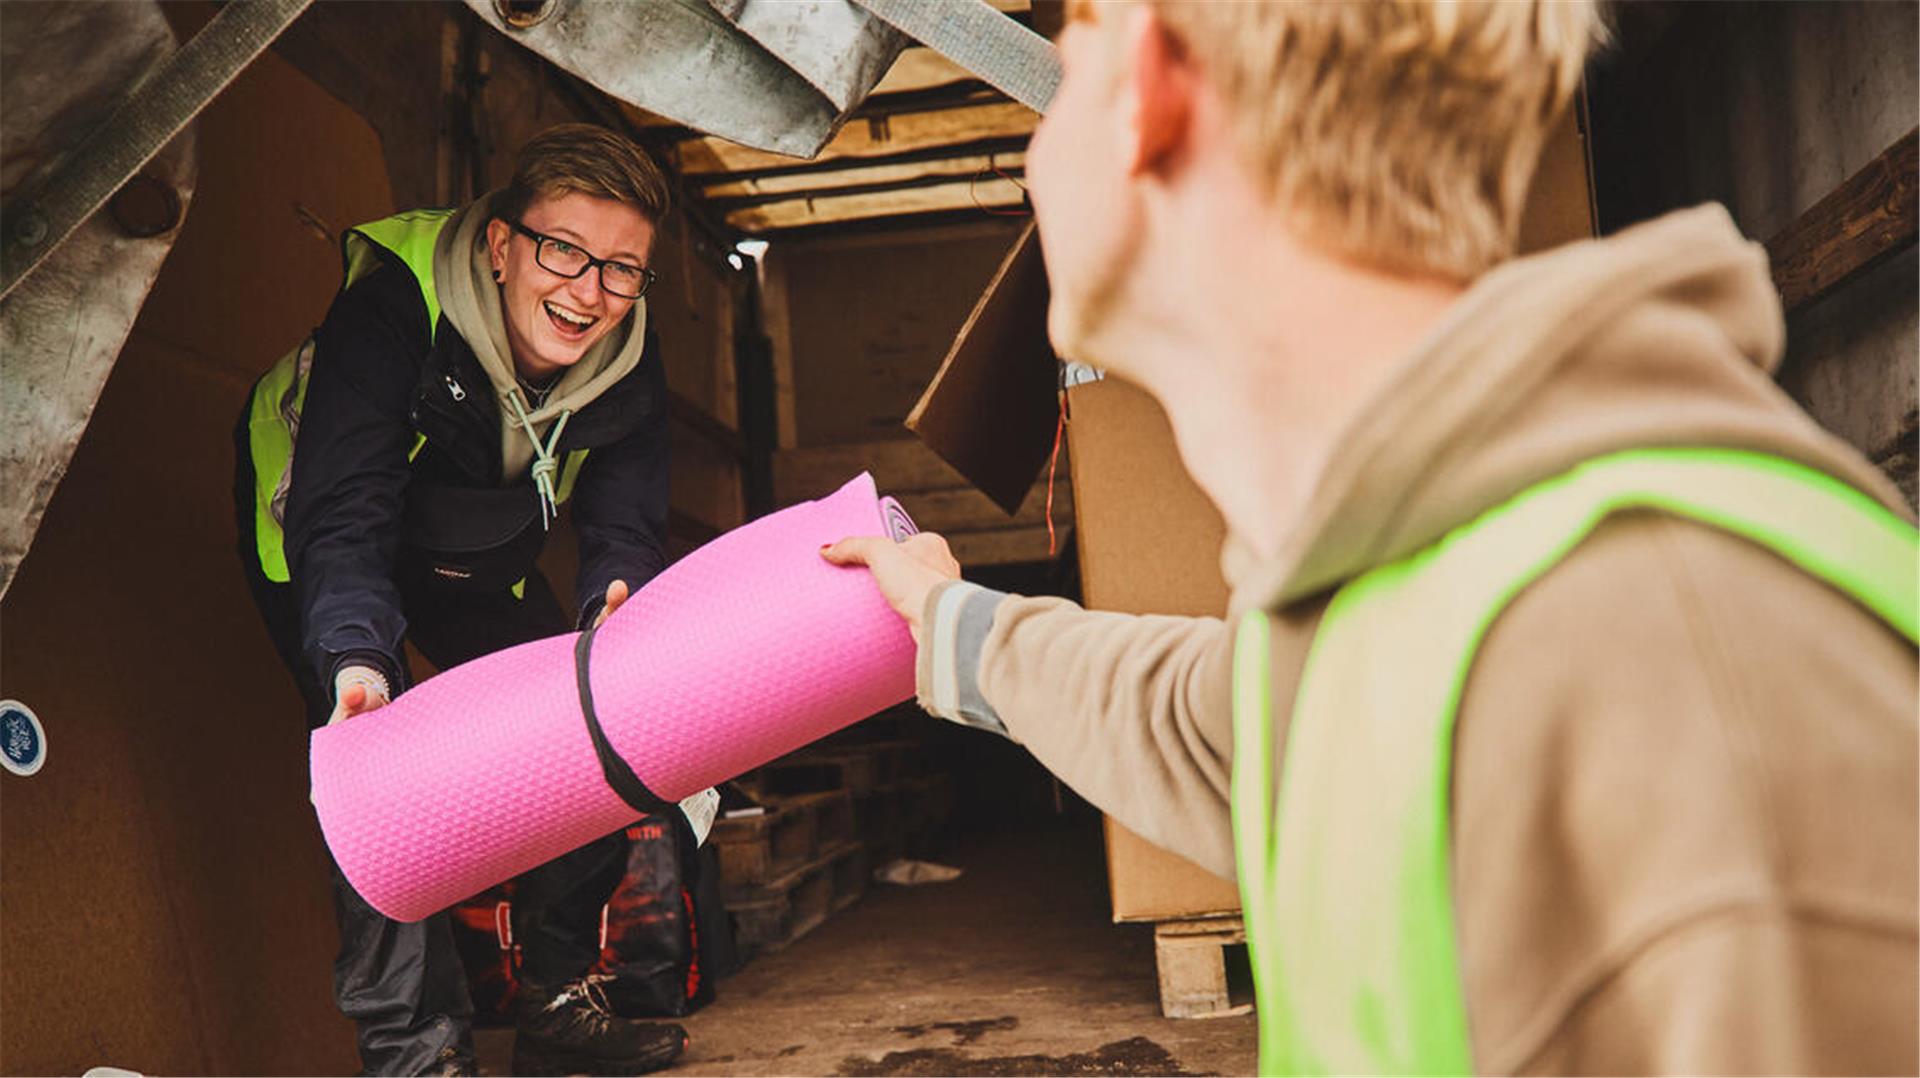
(417, 502)
(555, 308)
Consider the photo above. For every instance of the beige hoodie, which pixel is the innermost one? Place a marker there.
(1684, 833)
(463, 277)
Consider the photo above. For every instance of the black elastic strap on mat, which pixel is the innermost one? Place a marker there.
(620, 777)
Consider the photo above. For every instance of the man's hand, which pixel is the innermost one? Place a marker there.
(356, 691)
(616, 594)
(905, 571)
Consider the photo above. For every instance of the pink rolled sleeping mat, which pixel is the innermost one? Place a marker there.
(742, 651)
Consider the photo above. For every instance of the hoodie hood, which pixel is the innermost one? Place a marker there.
(1665, 334)
(470, 299)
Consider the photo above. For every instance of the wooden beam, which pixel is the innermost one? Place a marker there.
(930, 177)
(906, 468)
(812, 182)
(887, 229)
(979, 147)
(983, 195)
(869, 138)
(901, 465)
(920, 68)
(1863, 222)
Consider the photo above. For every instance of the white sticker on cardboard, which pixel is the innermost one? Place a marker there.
(23, 741)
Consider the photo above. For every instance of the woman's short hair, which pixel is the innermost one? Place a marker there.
(589, 159)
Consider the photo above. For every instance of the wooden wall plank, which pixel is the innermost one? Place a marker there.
(1864, 221)
(966, 166)
(920, 68)
(777, 323)
(898, 466)
(868, 138)
(992, 192)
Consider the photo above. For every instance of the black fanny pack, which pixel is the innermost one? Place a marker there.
(470, 537)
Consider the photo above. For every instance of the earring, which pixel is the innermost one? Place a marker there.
(498, 276)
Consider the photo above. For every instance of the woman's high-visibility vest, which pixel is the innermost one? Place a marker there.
(273, 411)
(1344, 864)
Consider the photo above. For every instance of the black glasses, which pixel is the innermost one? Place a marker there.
(556, 255)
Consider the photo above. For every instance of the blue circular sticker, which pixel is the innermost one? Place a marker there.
(23, 741)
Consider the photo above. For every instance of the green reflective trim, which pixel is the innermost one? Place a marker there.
(569, 473)
(411, 238)
(1347, 875)
(519, 588)
(271, 447)
(1252, 807)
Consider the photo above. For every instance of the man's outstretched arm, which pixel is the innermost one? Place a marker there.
(1134, 712)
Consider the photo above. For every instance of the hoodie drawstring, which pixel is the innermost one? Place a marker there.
(545, 462)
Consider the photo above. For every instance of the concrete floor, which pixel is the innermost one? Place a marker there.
(1015, 968)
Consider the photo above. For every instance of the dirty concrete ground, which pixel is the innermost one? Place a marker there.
(1013, 969)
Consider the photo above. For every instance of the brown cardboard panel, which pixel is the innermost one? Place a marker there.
(1559, 207)
(867, 319)
(1149, 540)
(164, 885)
(1151, 884)
(1149, 544)
(1000, 366)
(164, 882)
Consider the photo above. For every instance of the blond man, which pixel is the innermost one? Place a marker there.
(1564, 719)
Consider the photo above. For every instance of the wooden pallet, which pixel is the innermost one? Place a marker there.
(1191, 956)
(774, 915)
(754, 850)
(856, 767)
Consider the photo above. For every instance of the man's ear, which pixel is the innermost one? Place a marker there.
(1161, 81)
(498, 233)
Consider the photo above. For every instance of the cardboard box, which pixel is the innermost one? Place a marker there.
(1149, 541)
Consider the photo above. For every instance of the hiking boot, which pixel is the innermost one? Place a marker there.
(574, 1031)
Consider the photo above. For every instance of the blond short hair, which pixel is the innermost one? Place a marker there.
(1403, 133)
(587, 158)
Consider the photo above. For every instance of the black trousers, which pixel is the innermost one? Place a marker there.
(402, 984)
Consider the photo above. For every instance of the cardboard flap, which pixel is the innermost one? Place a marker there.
(992, 408)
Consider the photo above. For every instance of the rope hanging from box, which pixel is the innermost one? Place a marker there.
(618, 773)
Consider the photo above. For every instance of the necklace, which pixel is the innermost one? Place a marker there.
(537, 395)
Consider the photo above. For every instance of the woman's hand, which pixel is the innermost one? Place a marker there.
(616, 594)
(356, 691)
